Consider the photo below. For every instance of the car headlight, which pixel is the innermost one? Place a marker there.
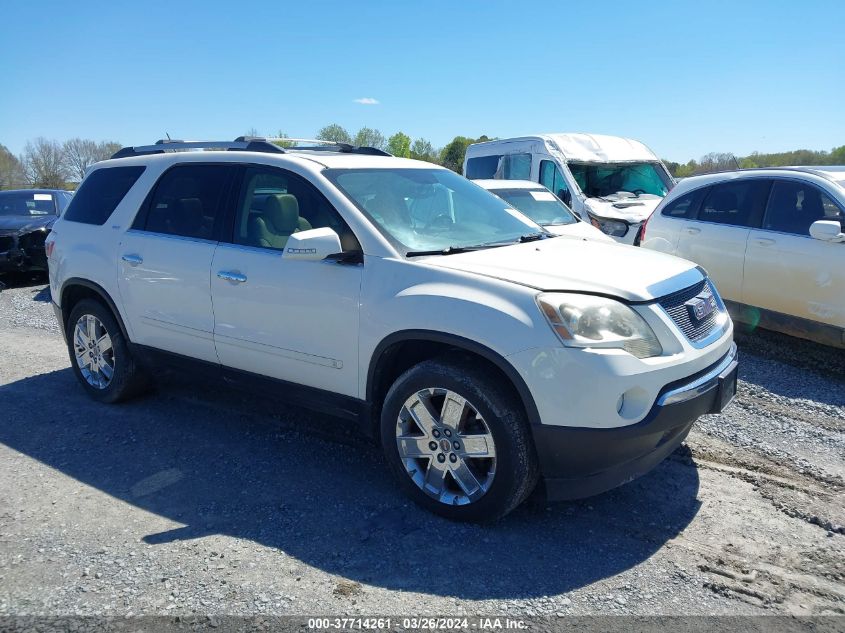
(588, 321)
(614, 228)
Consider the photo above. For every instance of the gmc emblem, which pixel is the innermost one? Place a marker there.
(700, 306)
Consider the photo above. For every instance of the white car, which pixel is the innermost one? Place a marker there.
(483, 352)
(612, 182)
(542, 206)
(771, 239)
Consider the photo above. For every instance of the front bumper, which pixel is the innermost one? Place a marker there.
(20, 258)
(580, 462)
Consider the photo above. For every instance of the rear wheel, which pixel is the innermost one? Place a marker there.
(100, 355)
(458, 440)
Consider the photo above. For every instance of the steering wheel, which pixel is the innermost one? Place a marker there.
(442, 221)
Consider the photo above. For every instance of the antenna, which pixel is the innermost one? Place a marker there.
(167, 134)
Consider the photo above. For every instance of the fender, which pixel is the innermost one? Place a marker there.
(461, 343)
(101, 292)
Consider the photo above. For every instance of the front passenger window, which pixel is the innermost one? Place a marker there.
(794, 206)
(275, 204)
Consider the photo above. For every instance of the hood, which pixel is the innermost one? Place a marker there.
(25, 223)
(584, 230)
(632, 210)
(577, 265)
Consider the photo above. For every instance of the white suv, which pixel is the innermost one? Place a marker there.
(772, 239)
(484, 352)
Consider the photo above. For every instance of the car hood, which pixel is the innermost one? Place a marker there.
(576, 265)
(24, 223)
(632, 210)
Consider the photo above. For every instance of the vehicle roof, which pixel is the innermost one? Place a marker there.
(326, 159)
(490, 184)
(579, 146)
(830, 173)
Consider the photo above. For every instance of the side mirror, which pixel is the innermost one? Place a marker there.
(565, 196)
(827, 231)
(312, 245)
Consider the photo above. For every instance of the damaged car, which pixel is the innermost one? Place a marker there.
(26, 217)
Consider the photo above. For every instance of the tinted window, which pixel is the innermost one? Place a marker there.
(186, 201)
(514, 167)
(27, 203)
(686, 206)
(275, 204)
(482, 167)
(100, 193)
(794, 206)
(739, 203)
(552, 179)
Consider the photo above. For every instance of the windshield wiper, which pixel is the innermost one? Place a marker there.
(449, 250)
(532, 237)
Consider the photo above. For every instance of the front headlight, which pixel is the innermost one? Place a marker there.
(614, 228)
(588, 321)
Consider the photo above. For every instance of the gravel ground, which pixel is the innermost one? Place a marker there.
(192, 501)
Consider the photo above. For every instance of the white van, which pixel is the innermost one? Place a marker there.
(611, 181)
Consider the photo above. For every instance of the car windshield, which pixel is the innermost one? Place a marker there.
(603, 180)
(26, 203)
(432, 209)
(540, 204)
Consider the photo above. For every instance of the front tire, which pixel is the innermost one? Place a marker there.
(100, 355)
(457, 438)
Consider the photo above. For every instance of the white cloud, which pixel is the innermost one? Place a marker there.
(366, 101)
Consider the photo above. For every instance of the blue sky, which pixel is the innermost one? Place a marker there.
(684, 77)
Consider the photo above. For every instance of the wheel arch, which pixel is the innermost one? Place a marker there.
(76, 289)
(386, 365)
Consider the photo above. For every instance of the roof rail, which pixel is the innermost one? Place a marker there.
(247, 144)
(319, 145)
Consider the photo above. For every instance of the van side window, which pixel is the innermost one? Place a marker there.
(552, 179)
(482, 167)
(514, 167)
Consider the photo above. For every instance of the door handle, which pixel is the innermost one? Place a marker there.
(692, 231)
(132, 260)
(763, 241)
(231, 276)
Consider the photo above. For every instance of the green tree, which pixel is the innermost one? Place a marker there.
(44, 164)
(368, 137)
(281, 134)
(11, 170)
(335, 133)
(423, 150)
(452, 156)
(399, 145)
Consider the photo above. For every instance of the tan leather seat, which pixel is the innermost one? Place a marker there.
(279, 219)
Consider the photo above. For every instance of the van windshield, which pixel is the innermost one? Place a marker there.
(432, 209)
(604, 180)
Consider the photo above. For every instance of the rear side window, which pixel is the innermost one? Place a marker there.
(482, 167)
(794, 206)
(738, 203)
(99, 195)
(514, 167)
(186, 201)
(686, 206)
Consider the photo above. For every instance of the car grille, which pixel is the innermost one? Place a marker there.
(6, 243)
(694, 329)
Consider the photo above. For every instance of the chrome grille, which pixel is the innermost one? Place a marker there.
(675, 306)
(6, 243)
